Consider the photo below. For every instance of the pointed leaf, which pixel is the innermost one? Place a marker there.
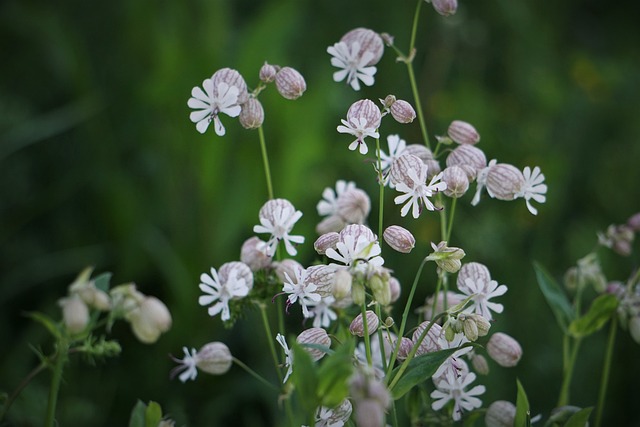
(333, 375)
(420, 369)
(580, 418)
(152, 415)
(102, 281)
(555, 297)
(523, 413)
(304, 377)
(47, 322)
(137, 415)
(601, 310)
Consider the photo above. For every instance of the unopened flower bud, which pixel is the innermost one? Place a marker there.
(504, 181)
(380, 287)
(619, 238)
(430, 342)
(354, 206)
(251, 114)
(479, 363)
(255, 258)
(357, 325)
(368, 40)
(505, 350)
(75, 314)
(470, 158)
(447, 258)
(420, 151)
(214, 358)
(326, 241)
(445, 7)
(365, 109)
(314, 336)
(150, 320)
(323, 276)
(457, 181)
(634, 328)
(405, 348)
(394, 288)
(463, 132)
(232, 78)
(268, 73)
(342, 285)
(634, 222)
(290, 83)
(399, 238)
(400, 168)
(500, 414)
(358, 294)
(402, 111)
(331, 223)
(388, 101)
(474, 325)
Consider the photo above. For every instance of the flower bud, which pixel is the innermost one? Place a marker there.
(634, 328)
(388, 101)
(357, 293)
(445, 257)
(252, 256)
(368, 40)
(324, 277)
(445, 7)
(357, 325)
(326, 241)
(314, 336)
(400, 168)
(332, 223)
(405, 348)
(500, 414)
(251, 114)
(75, 314)
(379, 285)
(470, 158)
(474, 325)
(402, 111)
(149, 320)
(430, 342)
(504, 181)
(268, 73)
(399, 238)
(420, 151)
(342, 285)
(236, 269)
(463, 133)
(479, 363)
(290, 83)
(457, 181)
(634, 222)
(505, 350)
(214, 358)
(354, 206)
(394, 289)
(357, 230)
(288, 266)
(232, 78)
(367, 110)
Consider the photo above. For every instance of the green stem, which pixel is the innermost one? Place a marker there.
(254, 374)
(367, 339)
(452, 212)
(61, 358)
(270, 339)
(563, 400)
(412, 77)
(604, 382)
(414, 27)
(381, 183)
(265, 161)
(25, 381)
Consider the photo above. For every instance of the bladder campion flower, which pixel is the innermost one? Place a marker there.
(533, 188)
(277, 217)
(417, 191)
(481, 291)
(288, 361)
(363, 119)
(452, 387)
(211, 102)
(221, 292)
(356, 54)
(213, 358)
(300, 290)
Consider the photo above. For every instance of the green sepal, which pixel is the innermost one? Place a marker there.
(102, 281)
(138, 415)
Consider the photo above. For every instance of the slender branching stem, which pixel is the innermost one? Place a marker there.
(568, 374)
(381, 184)
(61, 357)
(254, 374)
(25, 381)
(265, 161)
(270, 339)
(367, 339)
(606, 368)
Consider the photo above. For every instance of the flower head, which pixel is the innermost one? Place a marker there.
(288, 363)
(300, 290)
(417, 191)
(363, 119)
(277, 217)
(533, 188)
(452, 387)
(221, 292)
(481, 292)
(211, 102)
(353, 64)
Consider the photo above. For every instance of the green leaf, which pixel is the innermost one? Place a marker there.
(601, 310)
(555, 297)
(102, 281)
(305, 378)
(523, 414)
(420, 368)
(152, 415)
(580, 418)
(137, 415)
(47, 322)
(333, 375)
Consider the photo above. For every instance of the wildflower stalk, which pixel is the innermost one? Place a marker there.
(563, 400)
(412, 78)
(61, 358)
(254, 374)
(452, 211)
(381, 184)
(606, 368)
(367, 339)
(25, 381)
(265, 161)
(270, 339)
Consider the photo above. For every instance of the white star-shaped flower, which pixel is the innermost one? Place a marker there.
(453, 386)
(329, 203)
(419, 192)
(481, 292)
(357, 126)
(211, 103)
(300, 290)
(533, 188)
(396, 148)
(187, 365)
(221, 293)
(279, 225)
(322, 313)
(288, 362)
(351, 250)
(354, 66)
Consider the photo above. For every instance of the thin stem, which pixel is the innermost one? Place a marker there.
(416, 99)
(563, 400)
(61, 358)
(272, 347)
(254, 374)
(414, 28)
(265, 161)
(367, 339)
(381, 183)
(443, 217)
(604, 382)
(452, 211)
(25, 381)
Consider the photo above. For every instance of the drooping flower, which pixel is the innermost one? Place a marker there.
(213, 358)
(187, 365)
(533, 188)
(277, 217)
(357, 245)
(481, 292)
(363, 119)
(322, 313)
(353, 64)
(288, 362)
(221, 292)
(329, 203)
(452, 387)
(396, 148)
(300, 290)
(211, 102)
(417, 191)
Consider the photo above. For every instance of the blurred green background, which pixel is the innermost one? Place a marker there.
(100, 165)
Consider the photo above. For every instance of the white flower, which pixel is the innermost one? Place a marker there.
(288, 362)
(354, 67)
(376, 353)
(533, 188)
(481, 292)
(453, 386)
(209, 105)
(481, 180)
(334, 417)
(396, 147)
(329, 204)
(351, 250)
(187, 365)
(453, 363)
(234, 287)
(418, 192)
(277, 217)
(322, 313)
(357, 126)
(300, 290)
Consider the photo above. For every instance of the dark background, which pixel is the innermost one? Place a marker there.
(100, 165)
